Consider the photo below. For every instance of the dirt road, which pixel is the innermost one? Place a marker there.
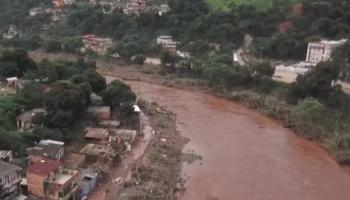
(246, 156)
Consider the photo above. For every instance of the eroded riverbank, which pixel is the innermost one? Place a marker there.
(246, 155)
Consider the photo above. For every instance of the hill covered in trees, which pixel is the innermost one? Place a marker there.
(224, 5)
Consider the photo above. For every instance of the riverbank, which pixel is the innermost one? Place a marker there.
(157, 175)
(331, 132)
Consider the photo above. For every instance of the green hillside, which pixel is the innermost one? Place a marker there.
(223, 4)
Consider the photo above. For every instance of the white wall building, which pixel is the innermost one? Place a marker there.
(322, 50)
(167, 42)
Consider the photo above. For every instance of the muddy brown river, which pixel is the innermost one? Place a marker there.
(246, 156)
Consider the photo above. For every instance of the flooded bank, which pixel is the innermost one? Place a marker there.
(246, 156)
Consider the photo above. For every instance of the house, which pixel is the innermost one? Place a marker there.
(48, 180)
(25, 121)
(135, 7)
(322, 50)
(167, 42)
(39, 11)
(96, 135)
(74, 160)
(11, 33)
(100, 112)
(118, 136)
(163, 8)
(6, 156)
(10, 178)
(58, 4)
(96, 100)
(12, 82)
(46, 149)
(88, 181)
(96, 44)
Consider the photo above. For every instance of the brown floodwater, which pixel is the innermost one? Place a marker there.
(246, 156)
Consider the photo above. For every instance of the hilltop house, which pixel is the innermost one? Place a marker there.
(10, 178)
(46, 149)
(48, 180)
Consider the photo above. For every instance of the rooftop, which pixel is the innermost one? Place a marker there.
(43, 167)
(7, 168)
(96, 133)
(46, 147)
(66, 175)
(97, 150)
(30, 114)
(100, 109)
(73, 160)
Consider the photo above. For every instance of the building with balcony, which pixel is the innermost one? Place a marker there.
(48, 180)
(322, 51)
(10, 178)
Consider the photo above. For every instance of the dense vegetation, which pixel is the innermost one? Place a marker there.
(63, 88)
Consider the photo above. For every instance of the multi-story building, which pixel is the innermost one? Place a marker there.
(167, 42)
(322, 50)
(50, 181)
(10, 178)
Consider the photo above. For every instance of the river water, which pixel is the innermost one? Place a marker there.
(246, 156)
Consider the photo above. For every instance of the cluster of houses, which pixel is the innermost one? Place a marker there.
(55, 11)
(55, 172)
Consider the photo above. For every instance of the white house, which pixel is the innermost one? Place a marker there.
(322, 50)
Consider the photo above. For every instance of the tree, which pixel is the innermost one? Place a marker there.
(118, 93)
(72, 44)
(264, 69)
(139, 59)
(15, 62)
(63, 102)
(52, 45)
(168, 59)
(30, 96)
(319, 83)
(96, 80)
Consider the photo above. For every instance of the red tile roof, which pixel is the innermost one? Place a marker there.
(43, 167)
